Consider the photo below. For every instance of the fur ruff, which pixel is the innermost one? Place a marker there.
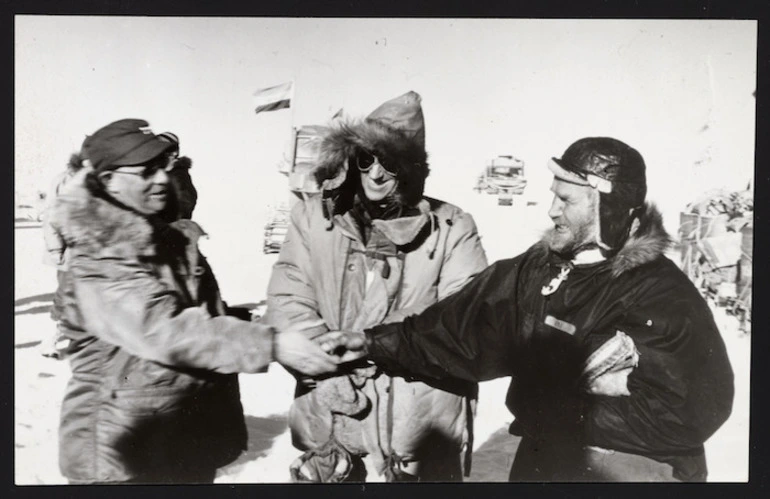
(344, 139)
(648, 243)
(95, 225)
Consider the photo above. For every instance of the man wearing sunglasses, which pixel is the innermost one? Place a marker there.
(371, 249)
(154, 393)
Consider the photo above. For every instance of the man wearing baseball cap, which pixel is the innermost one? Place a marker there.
(619, 371)
(154, 393)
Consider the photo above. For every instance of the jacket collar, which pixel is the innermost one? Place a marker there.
(647, 244)
(98, 226)
(400, 231)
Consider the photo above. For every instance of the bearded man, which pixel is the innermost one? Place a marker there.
(619, 372)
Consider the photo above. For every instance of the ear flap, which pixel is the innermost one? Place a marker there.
(615, 220)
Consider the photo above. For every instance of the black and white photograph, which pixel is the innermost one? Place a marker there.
(382, 249)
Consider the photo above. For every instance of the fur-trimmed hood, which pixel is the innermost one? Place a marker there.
(97, 226)
(648, 243)
(394, 132)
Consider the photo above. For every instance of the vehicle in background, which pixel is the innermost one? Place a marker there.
(503, 176)
(505, 198)
(275, 230)
(298, 165)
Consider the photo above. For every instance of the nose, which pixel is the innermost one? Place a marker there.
(376, 171)
(160, 177)
(557, 207)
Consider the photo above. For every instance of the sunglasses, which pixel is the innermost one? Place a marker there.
(365, 161)
(150, 170)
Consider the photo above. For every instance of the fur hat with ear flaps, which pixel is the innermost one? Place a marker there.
(395, 133)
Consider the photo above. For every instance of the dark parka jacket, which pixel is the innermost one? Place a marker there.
(153, 394)
(501, 324)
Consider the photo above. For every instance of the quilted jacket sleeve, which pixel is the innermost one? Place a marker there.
(123, 303)
(291, 297)
(464, 257)
(467, 335)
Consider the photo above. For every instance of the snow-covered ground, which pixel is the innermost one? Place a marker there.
(234, 250)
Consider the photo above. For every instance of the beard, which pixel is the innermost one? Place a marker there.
(568, 240)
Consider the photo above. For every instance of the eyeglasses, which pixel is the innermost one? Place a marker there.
(365, 161)
(149, 171)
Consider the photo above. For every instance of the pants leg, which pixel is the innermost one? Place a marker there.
(547, 460)
(439, 467)
(178, 476)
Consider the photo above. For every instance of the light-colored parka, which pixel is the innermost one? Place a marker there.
(325, 272)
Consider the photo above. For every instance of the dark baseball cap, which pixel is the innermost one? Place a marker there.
(127, 142)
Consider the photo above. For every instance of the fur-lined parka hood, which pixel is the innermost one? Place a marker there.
(649, 242)
(98, 226)
(394, 132)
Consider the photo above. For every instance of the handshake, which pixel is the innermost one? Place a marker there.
(322, 355)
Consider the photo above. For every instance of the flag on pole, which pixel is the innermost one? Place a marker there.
(273, 98)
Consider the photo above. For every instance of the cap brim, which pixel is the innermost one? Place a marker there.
(143, 153)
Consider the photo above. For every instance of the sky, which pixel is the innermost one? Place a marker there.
(680, 91)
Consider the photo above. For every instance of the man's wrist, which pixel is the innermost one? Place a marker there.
(368, 342)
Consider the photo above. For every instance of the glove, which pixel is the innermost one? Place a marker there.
(605, 372)
(330, 463)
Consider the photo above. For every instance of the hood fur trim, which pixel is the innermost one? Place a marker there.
(95, 225)
(649, 242)
(346, 138)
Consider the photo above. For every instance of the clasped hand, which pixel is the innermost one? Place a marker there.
(344, 345)
(320, 356)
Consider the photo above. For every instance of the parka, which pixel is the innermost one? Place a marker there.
(153, 394)
(509, 322)
(327, 274)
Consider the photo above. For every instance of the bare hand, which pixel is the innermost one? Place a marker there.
(344, 345)
(295, 351)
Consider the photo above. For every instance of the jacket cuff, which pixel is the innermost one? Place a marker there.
(382, 345)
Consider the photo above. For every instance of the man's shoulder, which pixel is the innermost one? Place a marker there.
(531, 259)
(447, 211)
(660, 282)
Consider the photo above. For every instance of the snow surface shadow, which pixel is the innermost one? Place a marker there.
(492, 461)
(28, 344)
(43, 309)
(262, 432)
(46, 297)
(45, 303)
